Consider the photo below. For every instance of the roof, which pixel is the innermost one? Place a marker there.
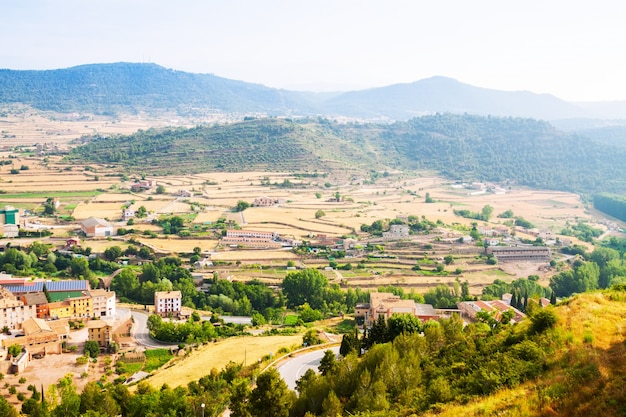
(97, 324)
(168, 294)
(94, 221)
(35, 298)
(98, 293)
(51, 286)
(425, 310)
(35, 326)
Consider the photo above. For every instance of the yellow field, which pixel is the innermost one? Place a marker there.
(216, 355)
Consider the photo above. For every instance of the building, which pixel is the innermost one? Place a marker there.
(81, 307)
(520, 253)
(385, 305)
(143, 185)
(251, 239)
(103, 303)
(40, 337)
(9, 230)
(9, 215)
(13, 312)
(57, 290)
(497, 307)
(167, 302)
(267, 201)
(256, 234)
(94, 227)
(39, 300)
(184, 193)
(100, 331)
(60, 310)
(397, 232)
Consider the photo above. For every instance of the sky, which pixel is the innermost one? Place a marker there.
(573, 49)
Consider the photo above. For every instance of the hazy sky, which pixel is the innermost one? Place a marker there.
(573, 49)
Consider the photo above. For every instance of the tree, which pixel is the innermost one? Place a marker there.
(92, 348)
(486, 212)
(239, 394)
(112, 253)
(125, 283)
(428, 199)
(350, 343)
(448, 259)
(141, 212)
(306, 286)
(241, 205)
(160, 189)
(80, 267)
(14, 350)
(49, 207)
(271, 397)
(6, 409)
(328, 362)
(319, 214)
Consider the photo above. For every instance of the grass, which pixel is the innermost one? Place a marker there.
(246, 350)
(129, 368)
(156, 358)
(291, 319)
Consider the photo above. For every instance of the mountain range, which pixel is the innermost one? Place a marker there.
(136, 87)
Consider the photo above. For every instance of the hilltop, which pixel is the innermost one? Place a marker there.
(460, 147)
(118, 88)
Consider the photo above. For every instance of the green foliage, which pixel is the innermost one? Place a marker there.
(613, 205)
(92, 349)
(306, 286)
(271, 396)
(14, 350)
(319, 214)
(155, 358)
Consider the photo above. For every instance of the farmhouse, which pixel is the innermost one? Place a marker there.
(143, 185)
(94, 227)
(520, 253)
(167, 302)
(396, 232)
(385, 305)
(184, 193)
(267, 201)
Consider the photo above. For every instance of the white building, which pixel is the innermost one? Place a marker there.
(103, 303)
(167, 302)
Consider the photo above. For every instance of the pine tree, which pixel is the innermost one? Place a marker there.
(553, 298)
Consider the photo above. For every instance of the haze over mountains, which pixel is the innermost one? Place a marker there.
(134, 87)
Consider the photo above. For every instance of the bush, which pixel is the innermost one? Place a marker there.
(543, 320)
(22, 380)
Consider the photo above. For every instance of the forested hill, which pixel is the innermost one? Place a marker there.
(129, 87)
(134, 87)
(460, 147)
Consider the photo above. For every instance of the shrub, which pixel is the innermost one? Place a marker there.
(543, 320)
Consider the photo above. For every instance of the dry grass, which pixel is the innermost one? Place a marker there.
(216, 355)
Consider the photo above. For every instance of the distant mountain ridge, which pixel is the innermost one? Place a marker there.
(133, 87)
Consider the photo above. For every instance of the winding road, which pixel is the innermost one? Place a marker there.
(293, 369)
(140, 330)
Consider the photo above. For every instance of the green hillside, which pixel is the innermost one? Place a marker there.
(460, 147)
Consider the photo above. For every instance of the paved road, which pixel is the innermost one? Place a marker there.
(293, 369)
(141, 333)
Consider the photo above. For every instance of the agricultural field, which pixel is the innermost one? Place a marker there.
(308, 210)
